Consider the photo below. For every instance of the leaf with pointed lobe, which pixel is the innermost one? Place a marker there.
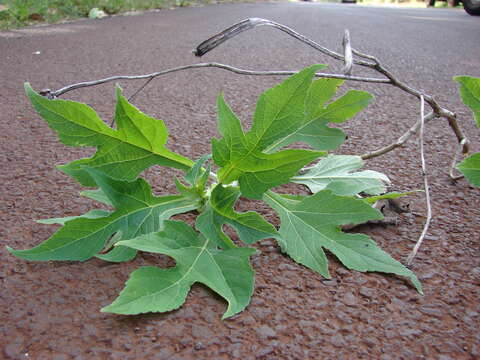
(313, 224)
(137, 212)
(137, 143)
(151, 289)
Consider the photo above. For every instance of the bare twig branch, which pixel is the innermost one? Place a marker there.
(140, 89)
(425, 182)
(452, 122)
(68, 88)
(454, 162)
(251, 23)
(365, 56)
(437, 109)
(401, 140)
(347, 50)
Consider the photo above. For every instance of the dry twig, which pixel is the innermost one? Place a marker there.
(347, 58)
(401, 140)
(347, 50)
(425, 183)
(235, 70)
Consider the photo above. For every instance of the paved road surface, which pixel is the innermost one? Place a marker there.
(50, 311)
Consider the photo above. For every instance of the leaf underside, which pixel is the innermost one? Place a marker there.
(335, 173)
(150, 289)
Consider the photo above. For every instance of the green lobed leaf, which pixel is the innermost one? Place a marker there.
(255, 171)
(470, 167)
(335, 173)
(281, 110)
(122, 154)
(219, 210)
(137, 212)
(92, 214)
(293, 111)
(310, 225)
(470, 94)
(241, 155)
(258, 172)
(97, 195)
(313, 128)
(150, 289)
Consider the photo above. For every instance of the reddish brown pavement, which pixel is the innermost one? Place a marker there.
(51, 310)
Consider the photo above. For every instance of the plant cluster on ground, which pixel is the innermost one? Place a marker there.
(249, 164)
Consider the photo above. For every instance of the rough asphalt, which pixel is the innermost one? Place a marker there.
(50, 310)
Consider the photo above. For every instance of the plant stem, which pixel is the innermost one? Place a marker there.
(83, 84)
(427, 189)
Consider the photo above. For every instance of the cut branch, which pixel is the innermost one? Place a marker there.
(251, 23)
(79, 85)
(347, 58)
(347, 50)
